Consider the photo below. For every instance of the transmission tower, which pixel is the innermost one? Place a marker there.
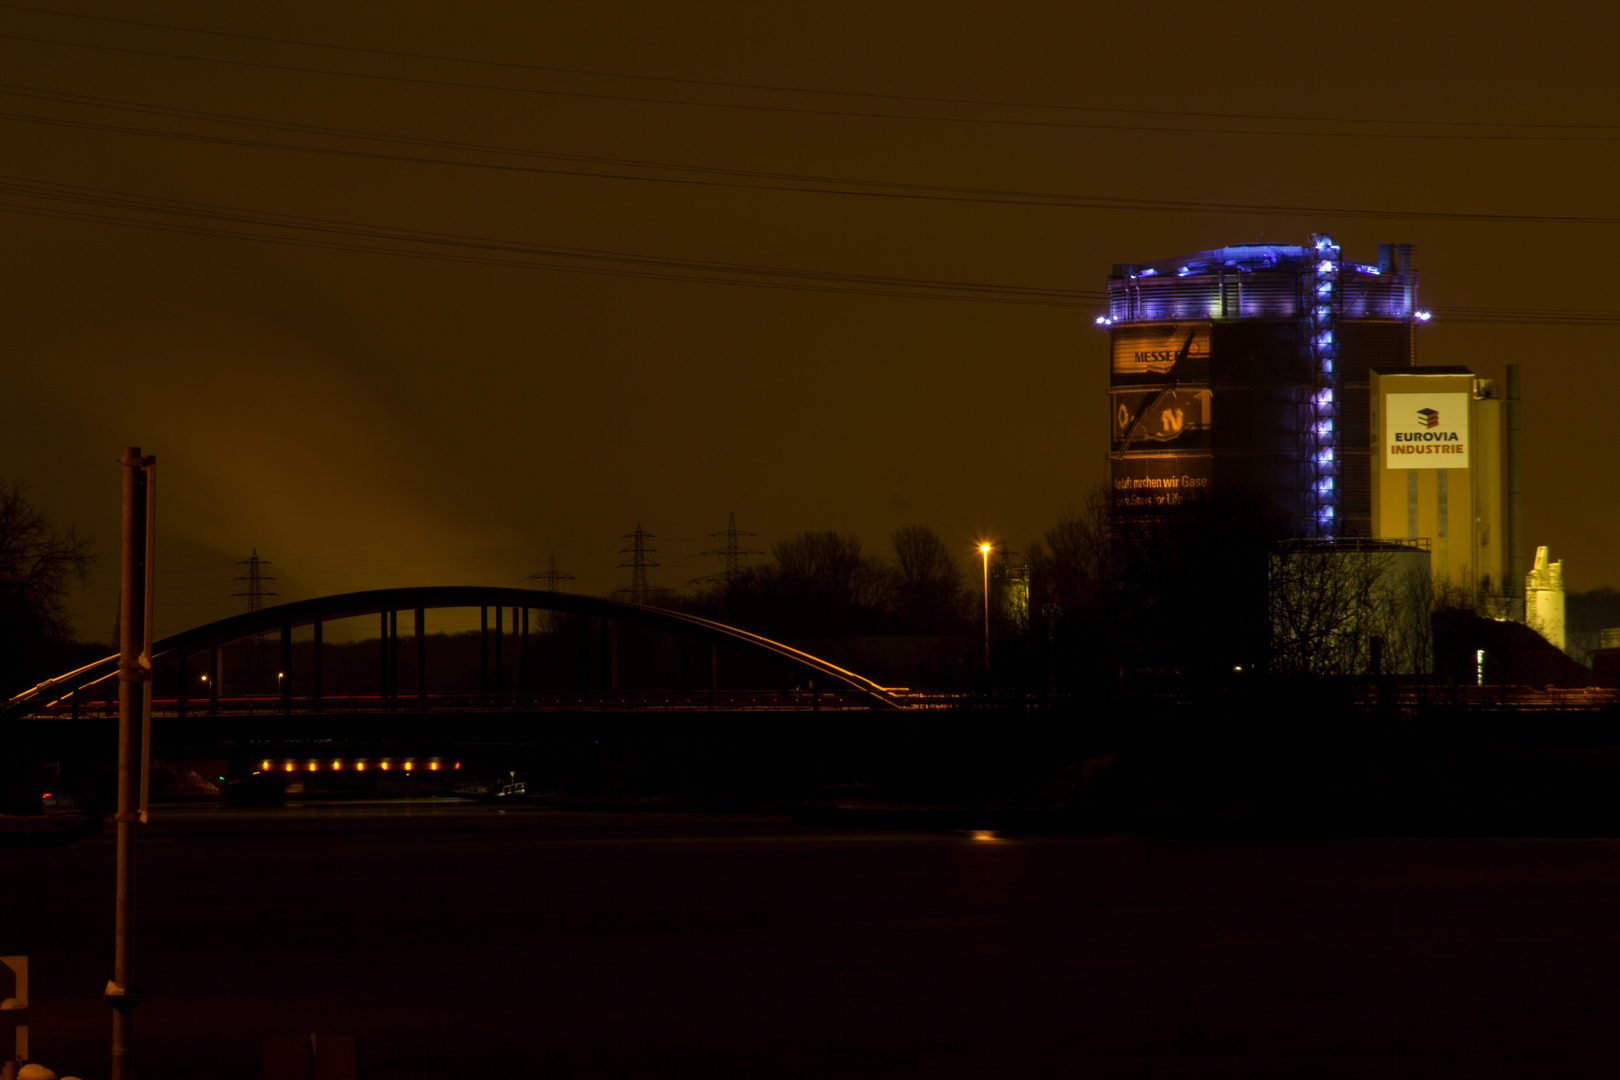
(256, 592)
(732, 554)
(551, 577)
(638, 592)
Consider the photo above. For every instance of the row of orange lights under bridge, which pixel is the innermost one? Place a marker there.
(357, 765)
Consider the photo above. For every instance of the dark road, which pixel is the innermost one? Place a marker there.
(457, 940)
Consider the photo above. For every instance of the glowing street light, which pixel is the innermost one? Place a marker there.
(984, 551)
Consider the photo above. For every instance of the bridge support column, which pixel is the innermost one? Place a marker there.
(216, 675)
(520, 625)
(483, 649)
(382, 659)
(613, 656)
(316, 680)
(500, 609)
(421, 654)
(286, 667)
(180, 695)
(393, 659)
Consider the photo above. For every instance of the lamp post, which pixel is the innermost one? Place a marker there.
(984, 551)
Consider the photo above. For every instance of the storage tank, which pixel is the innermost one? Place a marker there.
(1247, 366)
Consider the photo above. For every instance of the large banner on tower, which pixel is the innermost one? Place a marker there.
(1425, 431)
(1158, 350)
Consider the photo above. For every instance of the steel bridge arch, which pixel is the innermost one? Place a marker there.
(284, 618)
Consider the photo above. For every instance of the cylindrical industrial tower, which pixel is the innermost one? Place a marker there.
(1247, 366)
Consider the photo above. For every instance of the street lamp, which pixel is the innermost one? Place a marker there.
(984, 551)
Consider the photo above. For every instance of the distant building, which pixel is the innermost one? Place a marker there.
(1009, 586)
(1544, 598)
(1439, 472)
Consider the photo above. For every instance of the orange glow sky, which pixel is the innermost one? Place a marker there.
(367, 419)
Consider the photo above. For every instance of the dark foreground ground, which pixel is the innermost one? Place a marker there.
(459, 940)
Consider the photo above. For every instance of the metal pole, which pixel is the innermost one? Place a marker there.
(984, 549)
(149, 478)
(120, 992)
(1513, 587)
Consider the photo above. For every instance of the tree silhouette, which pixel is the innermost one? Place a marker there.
(37, 564)
(927, 583)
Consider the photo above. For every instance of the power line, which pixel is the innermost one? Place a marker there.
(805, 111)
(777, 88)
(666, 269)
(796, 183)
(328, 234)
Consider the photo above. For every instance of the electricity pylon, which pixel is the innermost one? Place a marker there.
(256, 592)
(638, 592)
(733, 553)
(551, 577)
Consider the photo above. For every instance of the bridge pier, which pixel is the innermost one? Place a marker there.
(483, 650)
(286, 666)
(421, 653)
(522, 648)
(216, 672)
(393, 659)
(500, 609)
(316, 680)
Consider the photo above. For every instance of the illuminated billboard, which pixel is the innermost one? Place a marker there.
(1176, 416)
(1160, 349)
(1426, 431)
(1156, 484)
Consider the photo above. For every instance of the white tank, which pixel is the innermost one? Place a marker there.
(1544, 598)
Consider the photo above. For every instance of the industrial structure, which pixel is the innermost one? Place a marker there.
(1248, 366)
(1440, 450)
(1290, 372)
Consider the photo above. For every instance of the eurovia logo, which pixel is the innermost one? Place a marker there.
(1436, 436)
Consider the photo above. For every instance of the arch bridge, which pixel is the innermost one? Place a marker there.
(307, 691)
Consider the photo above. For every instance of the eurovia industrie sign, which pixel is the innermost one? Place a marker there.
(1426, 431)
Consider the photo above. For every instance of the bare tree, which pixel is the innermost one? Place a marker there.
(37, 564)
(830, 567)
(927, 581)
(1329, 601)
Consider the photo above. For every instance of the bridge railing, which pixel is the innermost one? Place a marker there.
(512, 701)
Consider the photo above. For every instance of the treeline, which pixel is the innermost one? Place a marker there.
(825, 584)
(1221, 591)
(1076, 606)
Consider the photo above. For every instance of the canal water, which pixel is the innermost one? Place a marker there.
(460, 940)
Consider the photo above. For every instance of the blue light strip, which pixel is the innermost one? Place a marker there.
(1322, 319)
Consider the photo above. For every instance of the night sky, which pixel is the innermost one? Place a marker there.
(800, 284)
